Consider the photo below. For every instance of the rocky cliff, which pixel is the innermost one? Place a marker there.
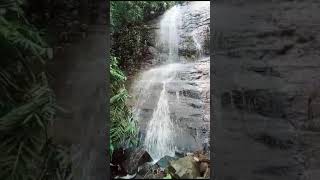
(266, 92)
(188, 92)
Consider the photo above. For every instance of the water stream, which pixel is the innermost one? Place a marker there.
(160, 131)
(151, 88)
(168, 37)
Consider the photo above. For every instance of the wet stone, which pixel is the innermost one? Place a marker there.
(185, 167)
(136, 159)
(145, 168)
(164, 162)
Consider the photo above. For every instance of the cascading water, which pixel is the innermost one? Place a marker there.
(169, 33)
(153, 86)
(160, 131)
(159, 139)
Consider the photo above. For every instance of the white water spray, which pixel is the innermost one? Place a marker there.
(160, 134)
(161, 130)
(168, 36)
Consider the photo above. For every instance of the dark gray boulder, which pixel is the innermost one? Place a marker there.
(164, 162)
(135, 159)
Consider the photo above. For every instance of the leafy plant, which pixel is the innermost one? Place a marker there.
(168, 176)
(125, 12)
(27, 103)
(123, 130)
(128, 44)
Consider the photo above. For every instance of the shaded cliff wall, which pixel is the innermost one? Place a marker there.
(266, 90)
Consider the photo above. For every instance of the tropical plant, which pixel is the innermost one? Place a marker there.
(168, 176)
(125, 12)
(27, 103)
(128, 45)
(123, 130)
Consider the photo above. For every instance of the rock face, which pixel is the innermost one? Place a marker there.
(189, 90)
(189, 105)
(194, 34)
(266, 100)
(195, 29)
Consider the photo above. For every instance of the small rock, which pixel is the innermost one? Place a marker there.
(184, 168)
(179, 154)
(202, 158)
(145, 168)
(154, 172)
(136, 159)
(196, 159)
(207, 173)
(118, 157)
(164, 162)
(189, 154)
(203, 167)
(138, 177)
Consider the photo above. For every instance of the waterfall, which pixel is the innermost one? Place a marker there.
(197, 44)
(160, 132)
(168, 36)
(153, 86)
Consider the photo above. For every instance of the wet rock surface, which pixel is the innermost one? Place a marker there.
(191, 166)
(195, 29)
(189, 105)
(194, 36)
(266, 100)
(135, 159)
(188, 100)
(164, 162)
(134, 163)
(188, 93)
(130, 162)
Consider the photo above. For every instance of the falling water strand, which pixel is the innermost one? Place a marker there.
(197, 44)
(169, 33)
(178, 96)
(160, 131)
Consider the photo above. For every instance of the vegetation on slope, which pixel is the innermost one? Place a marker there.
(126, 18)
(123, 130)
(125, 13)
(128, 30)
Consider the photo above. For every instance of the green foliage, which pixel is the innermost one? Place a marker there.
(124, 12)
(128, 44)
(123, 127)
(168, 176)
(27, 103)
(129, 33)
